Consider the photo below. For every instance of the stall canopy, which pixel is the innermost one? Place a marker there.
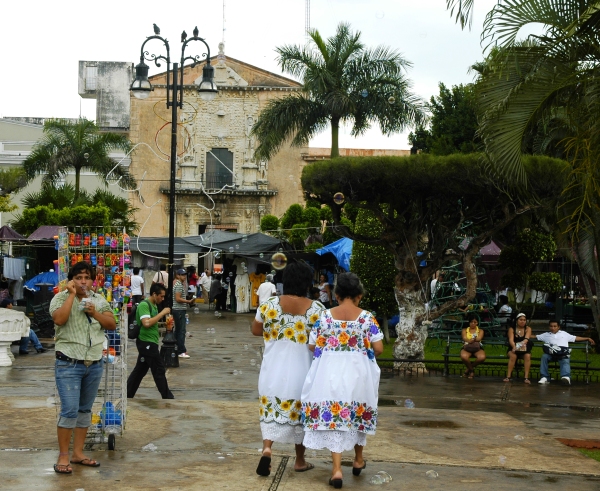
(50, 279)
(8, 234)
(341, 249)
(250, 245)
(45, 232)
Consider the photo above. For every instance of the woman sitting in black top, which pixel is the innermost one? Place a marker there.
(519, 346)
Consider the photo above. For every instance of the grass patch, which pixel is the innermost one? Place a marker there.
(594, 454)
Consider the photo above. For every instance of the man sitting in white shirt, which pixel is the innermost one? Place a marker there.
(558, 338)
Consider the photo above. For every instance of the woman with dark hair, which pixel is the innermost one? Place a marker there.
(324, 291)
(284, 322)
(339, 397)
(472, 347)
(519, 347)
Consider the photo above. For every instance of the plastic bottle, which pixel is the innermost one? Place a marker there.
(409, 404)
(187, 319)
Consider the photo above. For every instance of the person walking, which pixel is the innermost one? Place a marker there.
(340, 393)
(180, 305)
(205, 281)
(137, 286)
(284, 323)
(162, 278)
(80, 319)
(266, 290)
(325, 291)
(147, 316)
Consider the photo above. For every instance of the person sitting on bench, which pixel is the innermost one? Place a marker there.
(556, 348)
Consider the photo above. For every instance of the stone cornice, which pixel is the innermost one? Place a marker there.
(225, 192)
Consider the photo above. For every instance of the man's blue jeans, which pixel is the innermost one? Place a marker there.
(180, 330)
(77, 389)
(33, 338)
(565, 366)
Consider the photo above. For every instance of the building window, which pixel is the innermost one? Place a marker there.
(91, 77)
(219, 167)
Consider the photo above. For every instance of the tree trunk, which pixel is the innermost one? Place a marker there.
(410, 329)
(386, 329)
(335, 131)
(77, 182)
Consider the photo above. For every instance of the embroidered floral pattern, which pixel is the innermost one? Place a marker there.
(279, 326)
(274, 409)
(334, 415)
(332, 335)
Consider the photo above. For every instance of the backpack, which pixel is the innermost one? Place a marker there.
(556, 352)
(133, 331)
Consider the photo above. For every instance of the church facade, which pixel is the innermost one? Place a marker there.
(220, 184)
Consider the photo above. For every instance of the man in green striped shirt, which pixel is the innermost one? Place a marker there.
(80, 319)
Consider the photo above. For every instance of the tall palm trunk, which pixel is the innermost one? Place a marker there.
(335, 131)
(77, 182)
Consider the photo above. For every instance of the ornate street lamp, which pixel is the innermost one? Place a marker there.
(141, 88)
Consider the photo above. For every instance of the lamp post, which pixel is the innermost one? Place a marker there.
(141, 88)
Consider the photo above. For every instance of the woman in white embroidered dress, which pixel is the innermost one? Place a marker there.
(339, 397)
(285, 322)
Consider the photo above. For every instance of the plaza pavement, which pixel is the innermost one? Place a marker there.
(209, 437)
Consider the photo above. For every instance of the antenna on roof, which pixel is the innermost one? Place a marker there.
(307, 20)
(223, 40)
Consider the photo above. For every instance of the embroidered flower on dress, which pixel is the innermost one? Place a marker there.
(339, 415)
(271, 314)
(299, 326)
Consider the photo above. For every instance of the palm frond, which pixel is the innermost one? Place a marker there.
(463, 9)
(295, 116)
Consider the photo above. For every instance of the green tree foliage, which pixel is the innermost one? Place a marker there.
(453, 122)
(77, 216)
(519, 260)
(121, 214)
(269, 224)
(374, 265)
(428, 200)
(68, 147)
(343, 82)
(12, 180)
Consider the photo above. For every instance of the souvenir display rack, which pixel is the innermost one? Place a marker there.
(107, 250)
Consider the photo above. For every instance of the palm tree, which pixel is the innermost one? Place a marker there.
(343, 82)
(549, 81)
(68, 146)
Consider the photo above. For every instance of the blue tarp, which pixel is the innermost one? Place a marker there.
(49, 277)
(341, 249)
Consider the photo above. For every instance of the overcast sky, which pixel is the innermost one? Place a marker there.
(43, 41)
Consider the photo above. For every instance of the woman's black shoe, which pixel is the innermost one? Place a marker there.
(336, 483)
(41, 350)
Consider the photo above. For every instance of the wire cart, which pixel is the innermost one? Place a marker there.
(107, 250)
(109, 411)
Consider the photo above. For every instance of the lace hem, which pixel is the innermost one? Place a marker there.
(282, 433)
(334, 440)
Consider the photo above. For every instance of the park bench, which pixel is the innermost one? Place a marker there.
(454, 344)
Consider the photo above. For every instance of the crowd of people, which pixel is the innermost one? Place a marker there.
(318, 382)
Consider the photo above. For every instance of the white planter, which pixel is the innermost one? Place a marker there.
(13, 326)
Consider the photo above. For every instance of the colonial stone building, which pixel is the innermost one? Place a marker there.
(220, 183)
